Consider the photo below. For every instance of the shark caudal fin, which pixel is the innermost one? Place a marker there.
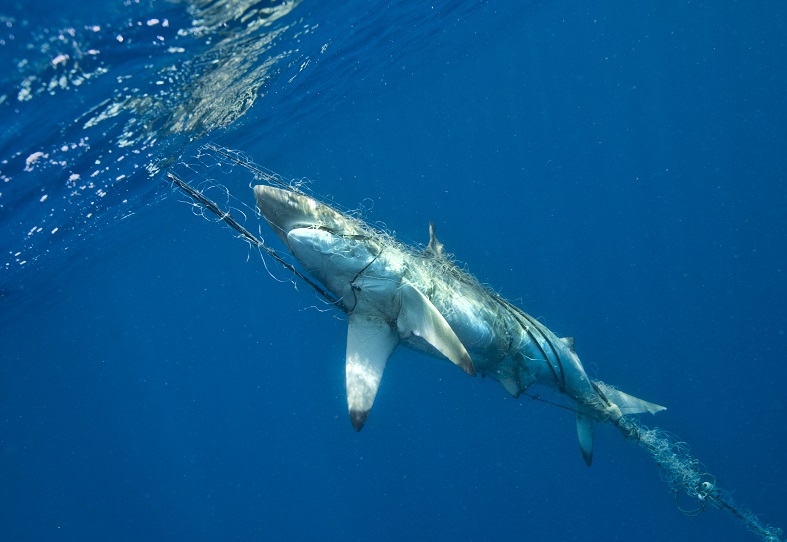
(613, 404)
(627, 404)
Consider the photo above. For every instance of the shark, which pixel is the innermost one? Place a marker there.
(394, 294)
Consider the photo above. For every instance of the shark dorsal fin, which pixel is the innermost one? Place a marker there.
(419, 317)
(370, 342)
(435, 247)
(568, 341)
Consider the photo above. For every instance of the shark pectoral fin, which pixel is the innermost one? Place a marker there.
(585, 434)
(370, 342)
(420, 317)
(628, 404)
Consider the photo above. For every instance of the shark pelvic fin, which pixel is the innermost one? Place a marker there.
(419, 317)
(628, 404)
(370, 342)
(585, 434)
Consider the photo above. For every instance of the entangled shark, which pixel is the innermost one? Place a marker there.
(394, 294)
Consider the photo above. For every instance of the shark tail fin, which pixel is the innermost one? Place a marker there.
(615, 404)
(627, 404)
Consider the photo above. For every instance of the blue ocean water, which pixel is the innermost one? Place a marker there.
(616, 170)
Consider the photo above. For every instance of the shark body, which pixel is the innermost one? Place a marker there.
(393, 294)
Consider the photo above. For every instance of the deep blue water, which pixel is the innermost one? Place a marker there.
(617, 170)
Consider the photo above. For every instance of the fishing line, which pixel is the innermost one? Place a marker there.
(247, 235)
(260, 172)
(685, 474)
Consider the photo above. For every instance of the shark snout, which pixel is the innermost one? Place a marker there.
(287, 210)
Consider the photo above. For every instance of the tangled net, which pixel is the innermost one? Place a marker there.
(686, 474)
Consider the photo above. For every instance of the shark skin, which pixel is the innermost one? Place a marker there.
(396, 295)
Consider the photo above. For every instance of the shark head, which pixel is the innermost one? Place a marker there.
(286, 210)
(331, 246)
